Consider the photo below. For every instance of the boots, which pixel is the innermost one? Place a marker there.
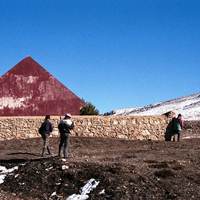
(59, 152)
(65, 153)
(43, 152)
(48, 150)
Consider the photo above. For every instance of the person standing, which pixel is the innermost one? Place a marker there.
(45, 131)
(177, 125)
(64, 127)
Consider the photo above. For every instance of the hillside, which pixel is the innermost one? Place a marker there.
(188, 106)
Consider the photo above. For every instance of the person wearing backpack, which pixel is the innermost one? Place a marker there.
(45, 131)
(64, 127)
(177, 125)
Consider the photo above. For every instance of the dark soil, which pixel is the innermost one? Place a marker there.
(126, 169)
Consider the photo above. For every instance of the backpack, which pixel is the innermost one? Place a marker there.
(40, 129)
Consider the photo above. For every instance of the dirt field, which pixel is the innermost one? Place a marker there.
(125, 169)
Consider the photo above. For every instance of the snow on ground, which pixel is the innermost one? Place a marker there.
(87, 188)
(4, 171)
(188, 106)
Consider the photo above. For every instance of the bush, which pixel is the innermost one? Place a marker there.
(89, 109)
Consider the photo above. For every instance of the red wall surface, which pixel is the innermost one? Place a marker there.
(29, 90)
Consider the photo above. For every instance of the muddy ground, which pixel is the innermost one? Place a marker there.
(125, 169)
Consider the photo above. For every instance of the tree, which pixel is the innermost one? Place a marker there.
(89, 109)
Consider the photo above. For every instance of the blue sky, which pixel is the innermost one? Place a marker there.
(113, 53)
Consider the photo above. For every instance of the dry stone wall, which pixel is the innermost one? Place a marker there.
(127, 127)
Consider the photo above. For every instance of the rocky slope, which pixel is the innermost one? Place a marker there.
(188, 106)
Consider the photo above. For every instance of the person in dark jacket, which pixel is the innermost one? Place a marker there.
(177, 125)
(64, 127)
(46, 129)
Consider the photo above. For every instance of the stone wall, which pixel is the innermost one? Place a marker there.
(127, 127)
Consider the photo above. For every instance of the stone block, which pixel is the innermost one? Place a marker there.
(121, 136)
(124, 122)
(115, 122)
(134, 121)
(145, 133)
(106, 123)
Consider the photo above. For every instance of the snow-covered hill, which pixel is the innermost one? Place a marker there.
(188, 106)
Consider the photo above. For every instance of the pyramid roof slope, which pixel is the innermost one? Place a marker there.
(28, 89)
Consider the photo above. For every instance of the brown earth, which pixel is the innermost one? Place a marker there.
(126, 169)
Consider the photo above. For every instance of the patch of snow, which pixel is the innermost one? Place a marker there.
(4, 171)
(53, 194)
(49, 168)
(86, 189)
(65, 167)
(102, 192)
(77, 197)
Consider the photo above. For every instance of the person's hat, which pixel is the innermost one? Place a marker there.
(68, 115)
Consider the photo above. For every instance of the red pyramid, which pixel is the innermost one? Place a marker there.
(29, 90)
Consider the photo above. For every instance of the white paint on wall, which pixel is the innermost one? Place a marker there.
(11, 102)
